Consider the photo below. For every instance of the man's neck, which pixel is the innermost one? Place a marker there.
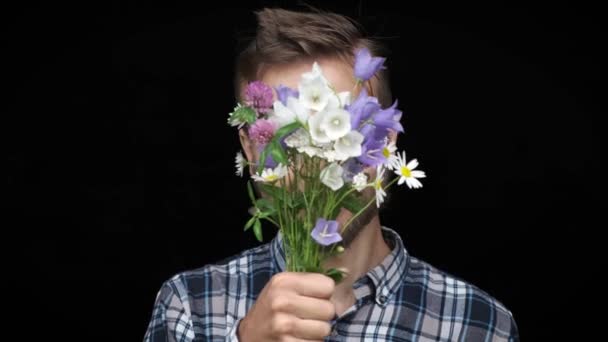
(365, 252)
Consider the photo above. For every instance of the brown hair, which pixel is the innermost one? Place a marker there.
(285, 36)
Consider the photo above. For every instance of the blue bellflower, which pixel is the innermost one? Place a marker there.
(366, 65)
(284, 92)
(326, 232)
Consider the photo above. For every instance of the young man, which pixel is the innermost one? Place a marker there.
(388, 295)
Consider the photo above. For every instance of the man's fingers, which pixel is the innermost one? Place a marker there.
(313, 308)
(314, 285)
(310, 329)
(305, 284)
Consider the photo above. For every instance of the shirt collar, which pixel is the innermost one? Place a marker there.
(387, 276)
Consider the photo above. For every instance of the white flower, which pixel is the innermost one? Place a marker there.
(296, 106)
(360, 181)
(314, 93)
(332, 155)
(281, 114)
(380, 193)
(311, 151)
(335, 123)
(318, 134)
(271, 175)
(406, 171)
(345, 98)
(315, 73)
(332, 176)
(299, 138)
(389, 153)
(349, 145)
(339, 100)
(240, 162)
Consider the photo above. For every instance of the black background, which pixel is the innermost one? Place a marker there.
(121, 164)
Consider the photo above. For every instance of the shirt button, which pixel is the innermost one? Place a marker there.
(383, 299)
(334, 332)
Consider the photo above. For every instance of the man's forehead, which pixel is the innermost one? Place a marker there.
(338, 73)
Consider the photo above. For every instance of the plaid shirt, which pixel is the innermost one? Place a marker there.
(402, 299)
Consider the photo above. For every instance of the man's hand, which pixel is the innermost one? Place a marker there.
(291, 307)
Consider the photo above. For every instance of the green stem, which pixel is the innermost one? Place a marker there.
(367, 205)
(272, 221)
(350, 191)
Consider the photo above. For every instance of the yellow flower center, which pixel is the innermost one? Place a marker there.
(271, 178)
(386, 152)
(406, 172)
(378, 184)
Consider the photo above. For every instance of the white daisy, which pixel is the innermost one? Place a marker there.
(380, 193)
(360, 181)
(240, 162)
(271, 175)
(406, 171)
(389, 153)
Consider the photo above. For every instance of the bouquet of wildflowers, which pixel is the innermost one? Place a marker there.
(314, 144)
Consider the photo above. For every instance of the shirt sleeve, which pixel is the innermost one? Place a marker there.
(514, 333)
(171, 321)
(232, 335)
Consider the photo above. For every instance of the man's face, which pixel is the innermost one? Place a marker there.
(340, 76)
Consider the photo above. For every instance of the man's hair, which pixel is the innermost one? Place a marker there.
(285, 37)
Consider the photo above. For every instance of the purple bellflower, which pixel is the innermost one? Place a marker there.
(283, 93)
(326, 232)
(366, 65)
(362, 109)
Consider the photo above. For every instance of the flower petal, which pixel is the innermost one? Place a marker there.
(412, 164)
(418, 174)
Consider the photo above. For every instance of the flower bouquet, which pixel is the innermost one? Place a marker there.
(317, 148)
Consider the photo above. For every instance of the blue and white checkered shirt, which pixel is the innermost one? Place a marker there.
(402, 299)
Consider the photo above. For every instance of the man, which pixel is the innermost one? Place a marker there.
(387, 295)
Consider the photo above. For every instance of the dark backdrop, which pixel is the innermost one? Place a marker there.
(121, 163)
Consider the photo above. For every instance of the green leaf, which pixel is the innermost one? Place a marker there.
(277, 153)
(263, 204)
(266, 214)
(296, 201)
(272, 191)
(262, 160)
(243, 114)
(274, 146)
(250, 191)
(257, 230)
(283, 131)
(335, 274)
(250, 222)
